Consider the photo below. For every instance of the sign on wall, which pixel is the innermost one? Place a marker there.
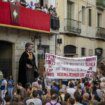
(58, 67)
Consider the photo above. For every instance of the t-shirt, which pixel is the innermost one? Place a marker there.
(71, 91)
(35, 101)
(53, 102)
(10, 83)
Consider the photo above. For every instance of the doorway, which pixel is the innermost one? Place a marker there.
(6, 58)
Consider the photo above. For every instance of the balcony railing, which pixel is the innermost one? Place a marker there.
(72, 26)
(100, 33)
(17, 16)
(101, 3)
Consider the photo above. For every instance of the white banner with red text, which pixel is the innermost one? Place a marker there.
(58, 67)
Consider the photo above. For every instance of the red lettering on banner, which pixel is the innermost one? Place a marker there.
(82, 74)
(50, 74)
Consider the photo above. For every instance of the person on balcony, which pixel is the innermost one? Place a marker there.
(27, 66)
(45, 9)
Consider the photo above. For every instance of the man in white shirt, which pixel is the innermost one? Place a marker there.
(71, 90)
(35, 100)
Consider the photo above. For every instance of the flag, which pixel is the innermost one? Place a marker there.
(15, 13)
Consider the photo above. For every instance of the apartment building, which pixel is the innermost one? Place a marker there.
(82, 28)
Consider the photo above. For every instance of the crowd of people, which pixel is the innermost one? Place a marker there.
(36, 6)
(72, 92)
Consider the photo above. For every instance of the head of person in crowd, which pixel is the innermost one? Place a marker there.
(19, 86)
(72, 101)
(67, 97)
(7, 100)
(102, 83)
(34, 94)
(85, 97)
(102, 86)
(15, 100)
(71, 85)
(54, 94)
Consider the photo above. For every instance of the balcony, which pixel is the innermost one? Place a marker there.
(100, 4)
(72, 26)
(55, 24)
(19, 17)
(100, 33)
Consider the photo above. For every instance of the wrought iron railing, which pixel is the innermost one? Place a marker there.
(101, 3)
(72, 26)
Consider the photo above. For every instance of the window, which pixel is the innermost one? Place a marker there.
(99, 20)
(70, 10)
(90, 17)
(83, 14)
(83, 51)
(90, 52)
(70, 50)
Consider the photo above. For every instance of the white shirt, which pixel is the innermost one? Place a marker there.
(4, 83)
(36, 101)
(78, 103)
(71, 91)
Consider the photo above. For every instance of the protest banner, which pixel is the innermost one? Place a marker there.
(58, 67)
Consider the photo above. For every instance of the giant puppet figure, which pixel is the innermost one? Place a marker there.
(27, 66)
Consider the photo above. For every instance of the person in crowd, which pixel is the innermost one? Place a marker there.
(10, 86)
(55, 86)
(78, 98)
(38, 6)
(71, 90)
(3, 88)
(50, 9)
(7, 100)
(72, 101)
(85, 100)
(54, 98)
(67, 99)
(62, 92)
(19, 90)
(34, 100)
(27, 66)
(23, 3)
(45, 9)
(15, 100)
(31, 5)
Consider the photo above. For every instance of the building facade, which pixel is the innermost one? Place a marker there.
(82, 28)
(17, 30)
